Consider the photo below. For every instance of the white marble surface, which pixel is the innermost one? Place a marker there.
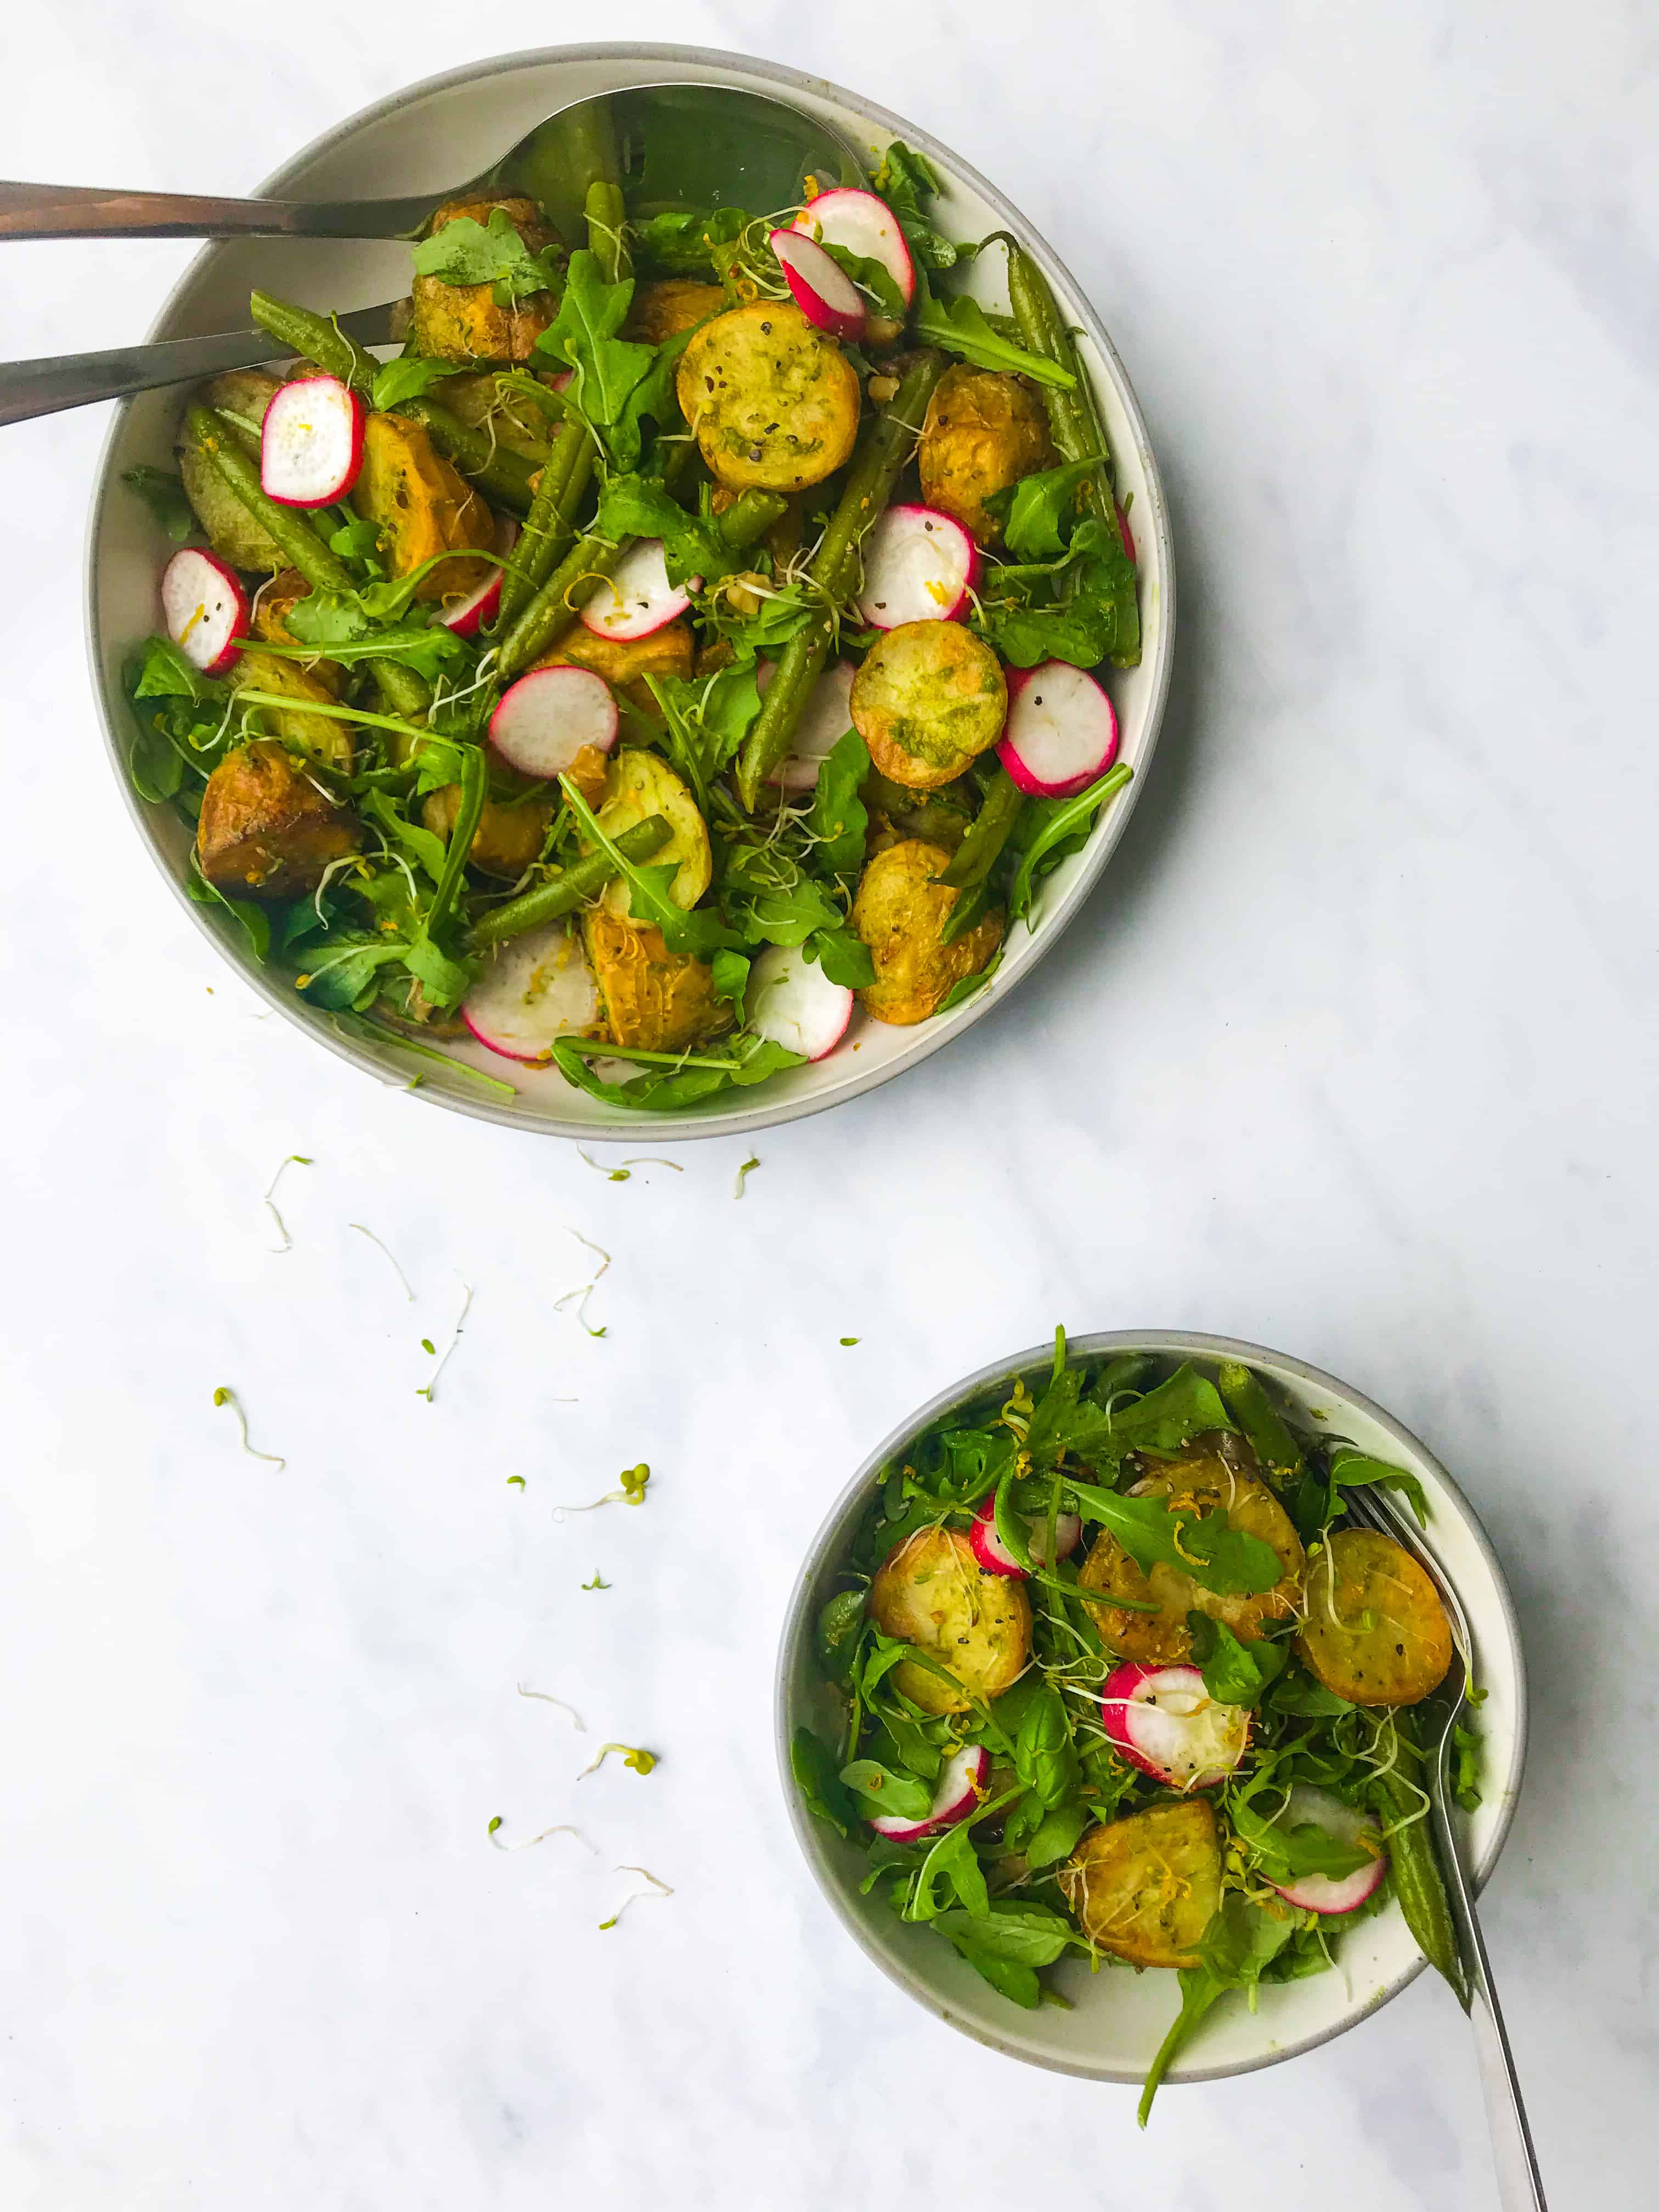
(1354, 1053)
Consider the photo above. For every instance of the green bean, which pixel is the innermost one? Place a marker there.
(546, 531)
(987, 833)
(296, 540)
(1418, 1882)
(606, 216)
(405, 689)
(749, 516)
(875, 472)
(1264, 1429)
(475, 789)
(568, 889)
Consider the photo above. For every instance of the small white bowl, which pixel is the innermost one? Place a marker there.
(421, 139)
(1120, 2016)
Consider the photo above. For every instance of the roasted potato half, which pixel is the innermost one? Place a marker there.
(663, 306)
(774, 403)
(1143, 1888)
(1376, 1630)
(640, 784)
(983, 431)
(929, 697)
(322, 736)
(932, 1592)
(1202, 1479)
(899, 912)
(625, 662)
(659, 1000)
(462, 322)
(233, 532)
(265, 830)
(423, 505)
(509, 834)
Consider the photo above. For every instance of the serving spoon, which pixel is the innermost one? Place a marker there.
(667, 145)
(1520, 2187)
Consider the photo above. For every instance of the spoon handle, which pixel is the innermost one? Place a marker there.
(86, 211)
(28, 388)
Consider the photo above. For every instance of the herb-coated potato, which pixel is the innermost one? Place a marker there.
(265, 830)
(640, 784)
(774, 403)
(423, 505)
(461, 322)
(1376, 1630)
(509, 834)
(513, 420)
(625, 662)
(663, 306)
(932, 1592)
(899, 912)
(322, 736)
(1201, 1480)
(983, 431)
(273, 603)
(233, 532)
(658, 1000)
(929, 697)
(1145, 1887)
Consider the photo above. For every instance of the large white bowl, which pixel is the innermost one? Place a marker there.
(1120, 2016)
(433, 135)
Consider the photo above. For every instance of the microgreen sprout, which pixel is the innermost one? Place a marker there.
(583, 1291)
(657, 1889)
(293, 1160)
(623, 1171)
(226, 1396)
(409, 1290)
(548, 1699)
(563, 1829)
(640, 1761)
(633, 1480)
(598, 1583)
(449, 1349)
(851, 1339)
(743, 1173)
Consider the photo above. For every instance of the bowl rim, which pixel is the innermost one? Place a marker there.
(1108, 830)
(798, 1623)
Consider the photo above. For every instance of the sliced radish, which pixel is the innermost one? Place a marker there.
(543, 721)
(792, 1002)
(471, 615)
(1322, 1892)
(204, 608)
(1124, 531)
(1061, 732)
(962, 1789)
(993, 1554)
(864, 225)
(1165, 1721)
(537, 988)
(919, 566)
(821, 287)
(638, 598)
(311, 443)
(825, 721)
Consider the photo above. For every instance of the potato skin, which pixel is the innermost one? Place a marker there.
(774, 403)
(983, 431)
(899, 912)
(626, 662)
(663, 306)
(1145, 1887)
(233, 532)
(929, 697)
(931, 1591)
(1202, 1479)
(461, 322)
(1405, 1654)
(639, 784)
(265, 830)
(322, 736)
(654, 999)
(423, 506)
(508, 837)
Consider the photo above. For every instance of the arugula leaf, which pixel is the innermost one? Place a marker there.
(252, 918)
(680, 240)
(1056, 827)
(871, 277)
(959, 326)
(706, 718)
(813, 1767)
(406, 378)
(1045, 1758)
(163, 494)
(1093, 614)
(357, 540)
(1038, 506)
(634, 506)
(685, 1080)
(772, 898)
(1035, 1934)
(343, 966)
(418, 841)
(1205, 1545)
(1349, 1468)
(1054, 1837)
(839, 820)
(1297, 1694)
(881, 1790)
(1465, 1777)
(1162, 1420)
(1241, 1940)
(583, 335)
(1287, 1853)
(467, 252)
(906, 180)
(950, 1869)
(1235, 1673)
(844, 958)
(163, 672)
(731, 977)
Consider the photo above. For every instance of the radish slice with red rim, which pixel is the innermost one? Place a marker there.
(792, 1002)
(532, 990)
(543, 721)
(825, 721)
(1346, 1824)
(1061, 732)
(475, 612)
(1165, 1721)
(919, 566)
(637, 599)
(962, 1784)
(993, 1554)
(311, 442)
(204, 608)
(864, 224)
(819, 286)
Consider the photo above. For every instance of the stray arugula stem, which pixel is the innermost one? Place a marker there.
(226, 1396)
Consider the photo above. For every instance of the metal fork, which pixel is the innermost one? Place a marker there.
(1519, 2187)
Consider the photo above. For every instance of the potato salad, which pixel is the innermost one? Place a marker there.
(1106, 1677)
(699, 633)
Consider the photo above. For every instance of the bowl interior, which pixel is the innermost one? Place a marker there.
(1119, 2017)
(435, 134)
